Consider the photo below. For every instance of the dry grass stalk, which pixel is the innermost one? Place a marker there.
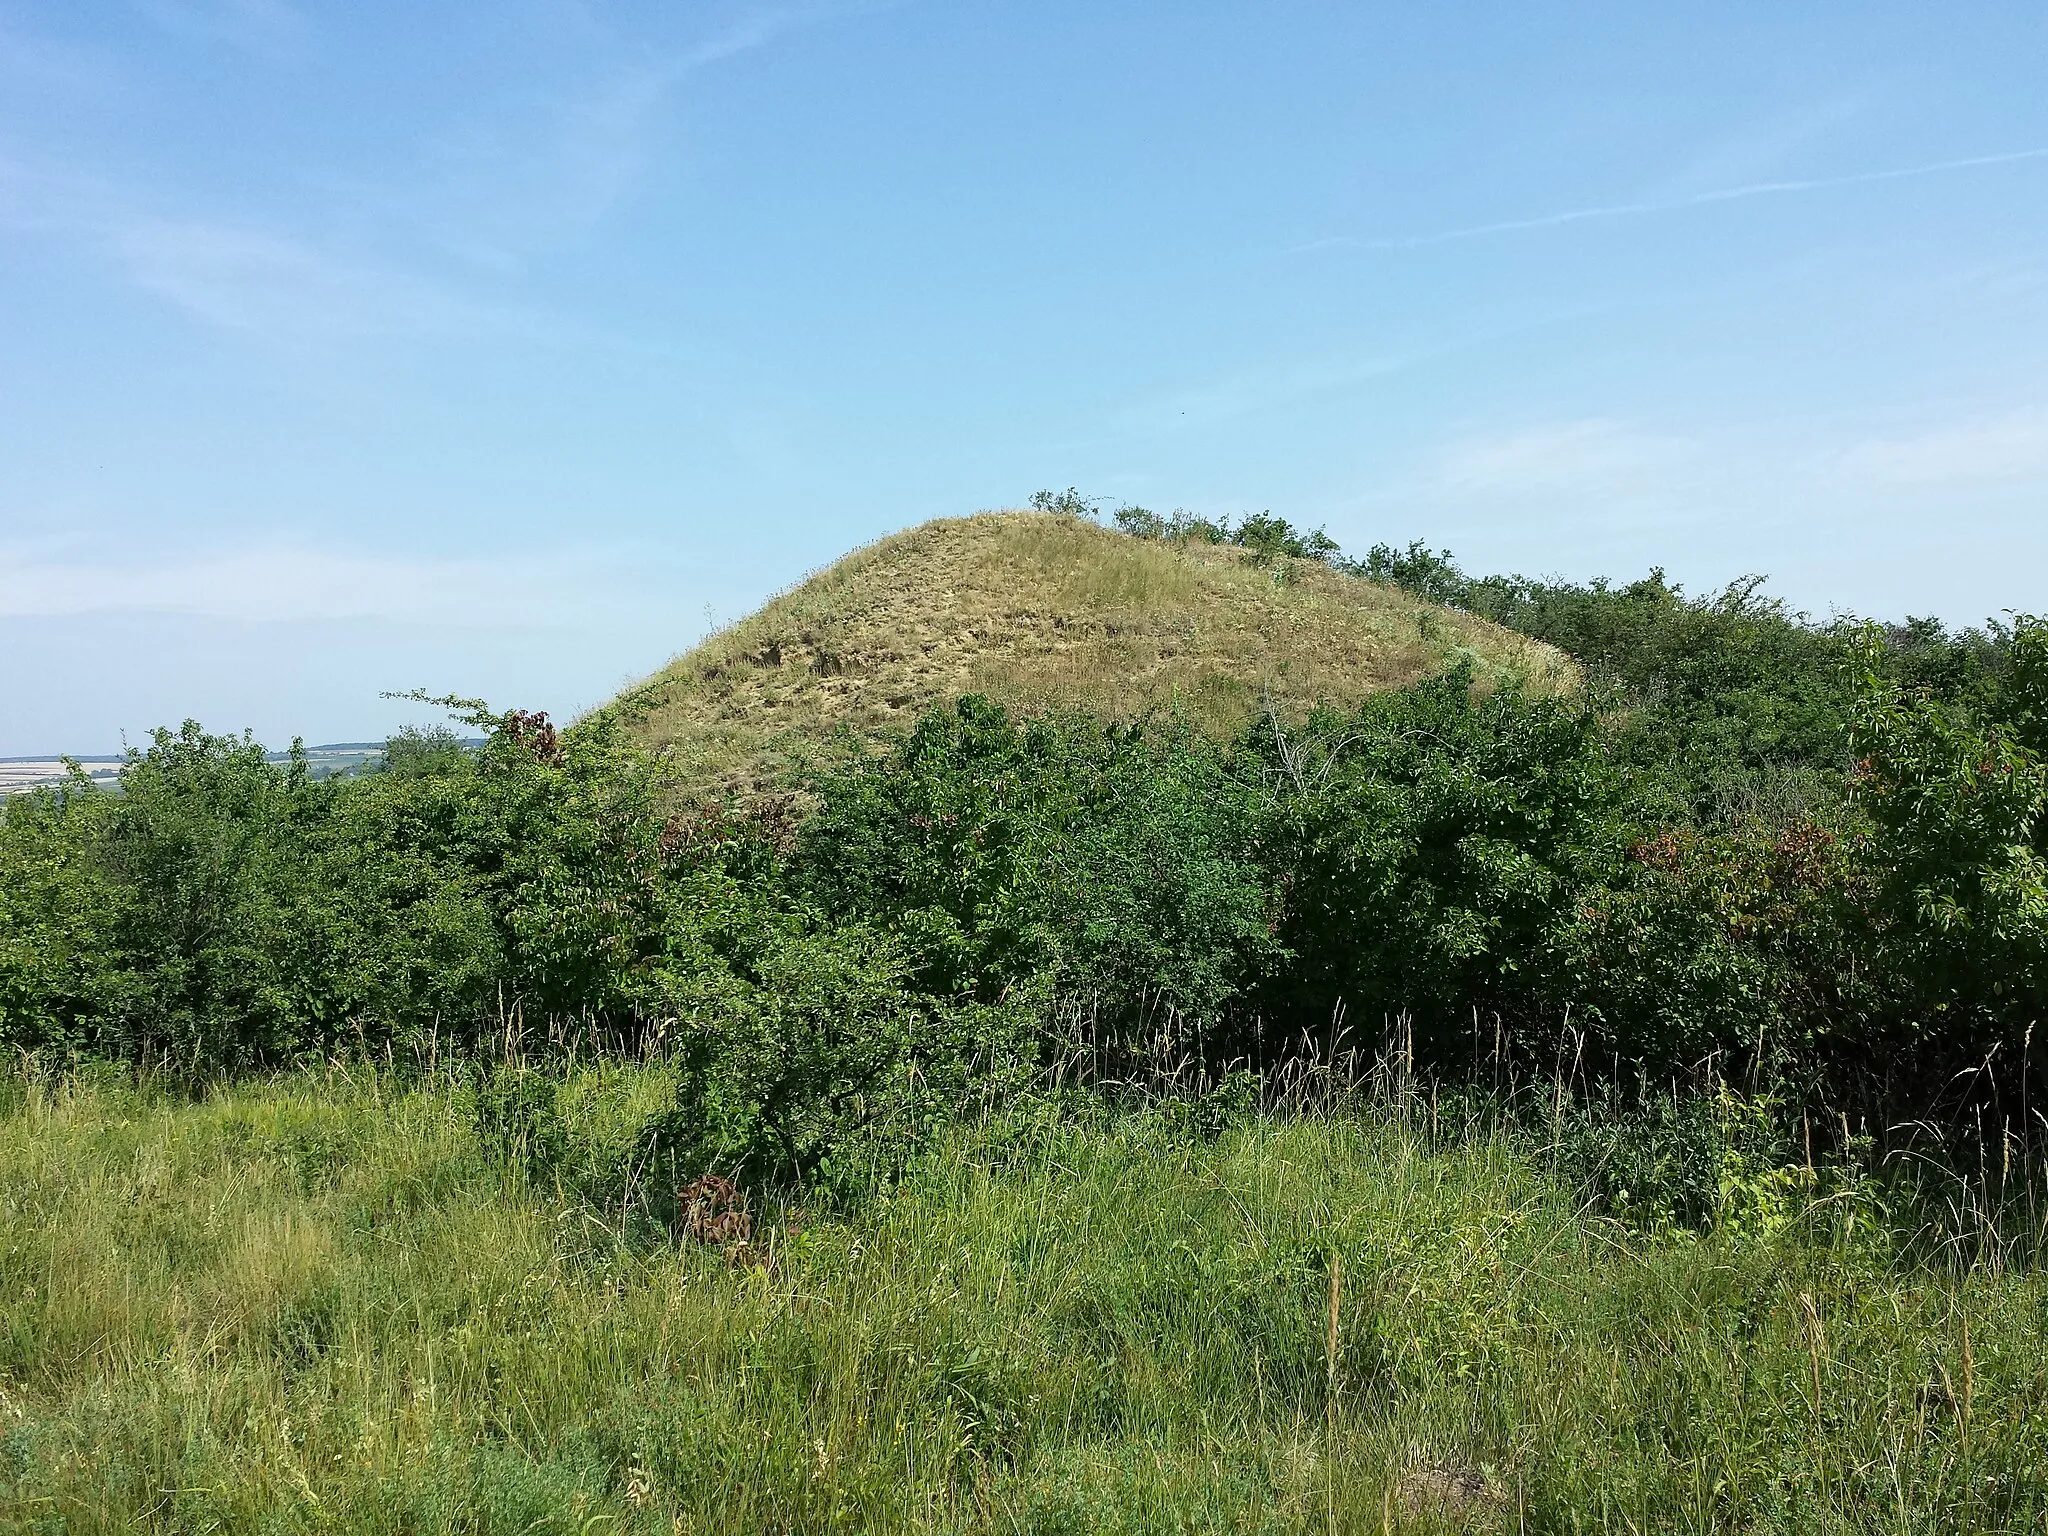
(1330, 1392)
(1447, 1489)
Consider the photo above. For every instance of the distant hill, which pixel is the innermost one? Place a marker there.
(1045, 611)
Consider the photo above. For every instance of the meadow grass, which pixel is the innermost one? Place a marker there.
(316, 1302)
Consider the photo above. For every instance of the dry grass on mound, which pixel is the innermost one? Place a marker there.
(1042, 611)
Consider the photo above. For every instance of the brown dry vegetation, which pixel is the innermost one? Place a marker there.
(1042, 612)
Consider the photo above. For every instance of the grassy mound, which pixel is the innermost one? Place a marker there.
(1045, 611)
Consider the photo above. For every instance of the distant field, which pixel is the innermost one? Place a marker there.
(29, 772)
(20, 773)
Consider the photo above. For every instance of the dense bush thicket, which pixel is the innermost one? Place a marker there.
(1740, 697)
(1754, 845)
(222, 911)
(1724, 688)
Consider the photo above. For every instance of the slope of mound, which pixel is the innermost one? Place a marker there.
(1044, 611)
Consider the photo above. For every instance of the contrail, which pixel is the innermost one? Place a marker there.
(1665, 205)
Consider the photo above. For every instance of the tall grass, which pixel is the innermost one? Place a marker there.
(317, 1302)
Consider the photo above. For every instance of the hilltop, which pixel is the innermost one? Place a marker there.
(1047, 611)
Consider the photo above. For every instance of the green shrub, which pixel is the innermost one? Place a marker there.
(414, 752)
(1061, 858)
(817, 1062)
(1959, 799)
(1484, 864)
(1733, 948)
(199, 867)
(60, 970)
(1719, 688)
(1436, 851)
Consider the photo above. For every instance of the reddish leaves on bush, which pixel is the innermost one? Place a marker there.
(712, 1210)
(699, 834)
(532, 730)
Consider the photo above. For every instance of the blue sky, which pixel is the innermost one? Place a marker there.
(499, 349)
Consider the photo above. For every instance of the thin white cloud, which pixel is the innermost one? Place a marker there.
(1272, 385)
(534, 172)
(1529, 492)
(1596, 456)
(1673, 204)
(1251, 390)
(269, 27)
(500, 187)
(34, 63)
(2004, 445)
(748, 33)
(505, 185)
(239, 274)
(283, 582)
(1753, 151)
(255, 280)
